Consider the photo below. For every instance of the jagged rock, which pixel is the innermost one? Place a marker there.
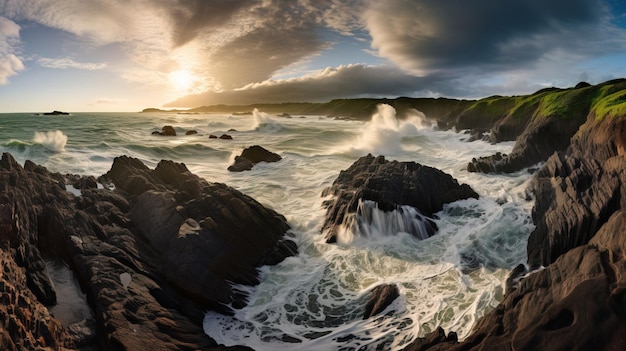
(436, 340)
(148, 285)
(251, 156)
(578, 301)
(542, 124)
(577, 192)
(390, 185)
(379, 299)
(226, 137)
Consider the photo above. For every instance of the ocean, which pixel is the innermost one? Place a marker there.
(315, 300)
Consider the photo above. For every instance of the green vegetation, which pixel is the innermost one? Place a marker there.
(613, 105)
(509, 113)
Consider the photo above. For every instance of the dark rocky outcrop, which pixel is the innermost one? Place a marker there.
(577, 191)
(191, 132)
(578, 301)
(226, 137)
(151, 256)
(55, 113)
(390, 185)
(251, 156)
(379, 299)
(541, 124)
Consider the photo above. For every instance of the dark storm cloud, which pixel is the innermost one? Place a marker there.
(190, 17)
(428, 35)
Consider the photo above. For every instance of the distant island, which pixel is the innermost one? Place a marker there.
(54, 113)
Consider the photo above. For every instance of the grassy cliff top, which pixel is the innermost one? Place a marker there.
(605, 99)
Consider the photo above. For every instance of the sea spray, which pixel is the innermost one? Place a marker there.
(447, 280)
(263, 122)
(370, 221)
(383, 134)
(52, 140)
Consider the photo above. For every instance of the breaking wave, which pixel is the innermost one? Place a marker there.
(53, 140)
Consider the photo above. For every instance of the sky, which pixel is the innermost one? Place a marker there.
(126, 55)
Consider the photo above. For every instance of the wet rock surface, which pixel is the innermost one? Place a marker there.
(151, 256)
(251, 156)
(578, 301)
(390, 184)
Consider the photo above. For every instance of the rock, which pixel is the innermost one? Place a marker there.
(379, 299)
(578, 301)
(55, 113)
(152, 256)
(434, 340)
(390, 185)
(212, 136)
(166, 131)
(226, 137)
(578, 191)
(542, 124)
(191, 132)
(251, 156)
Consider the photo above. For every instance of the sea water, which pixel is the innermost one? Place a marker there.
(315, 300)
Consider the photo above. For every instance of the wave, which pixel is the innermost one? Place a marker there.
(383, 134)
(176, 152)
(370, 221)
(53, 140)
(263, 122)
(17, 145)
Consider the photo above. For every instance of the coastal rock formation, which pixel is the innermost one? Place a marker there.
(390, 186)
(251, 156)
(541, 124)
(152, 256)
(578, 301)
(577, 192)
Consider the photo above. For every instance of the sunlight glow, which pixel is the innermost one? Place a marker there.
(181, 80)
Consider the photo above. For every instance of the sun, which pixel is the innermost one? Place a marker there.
(181, 80)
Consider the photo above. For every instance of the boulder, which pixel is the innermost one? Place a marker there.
(226, 137)
(166, 131)
(191, 132)
(380, 298)
(251, 156)
(390, 186)
(152, 256)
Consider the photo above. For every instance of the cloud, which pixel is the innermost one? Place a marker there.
(234, 49)
(65, 63)
(10, 64)
(190, 18)
(435, 35)
(354, 80)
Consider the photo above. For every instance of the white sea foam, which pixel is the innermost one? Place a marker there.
(317, 297)
(53, 140)
(263, 122)
(372, 222)
(384, 133)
